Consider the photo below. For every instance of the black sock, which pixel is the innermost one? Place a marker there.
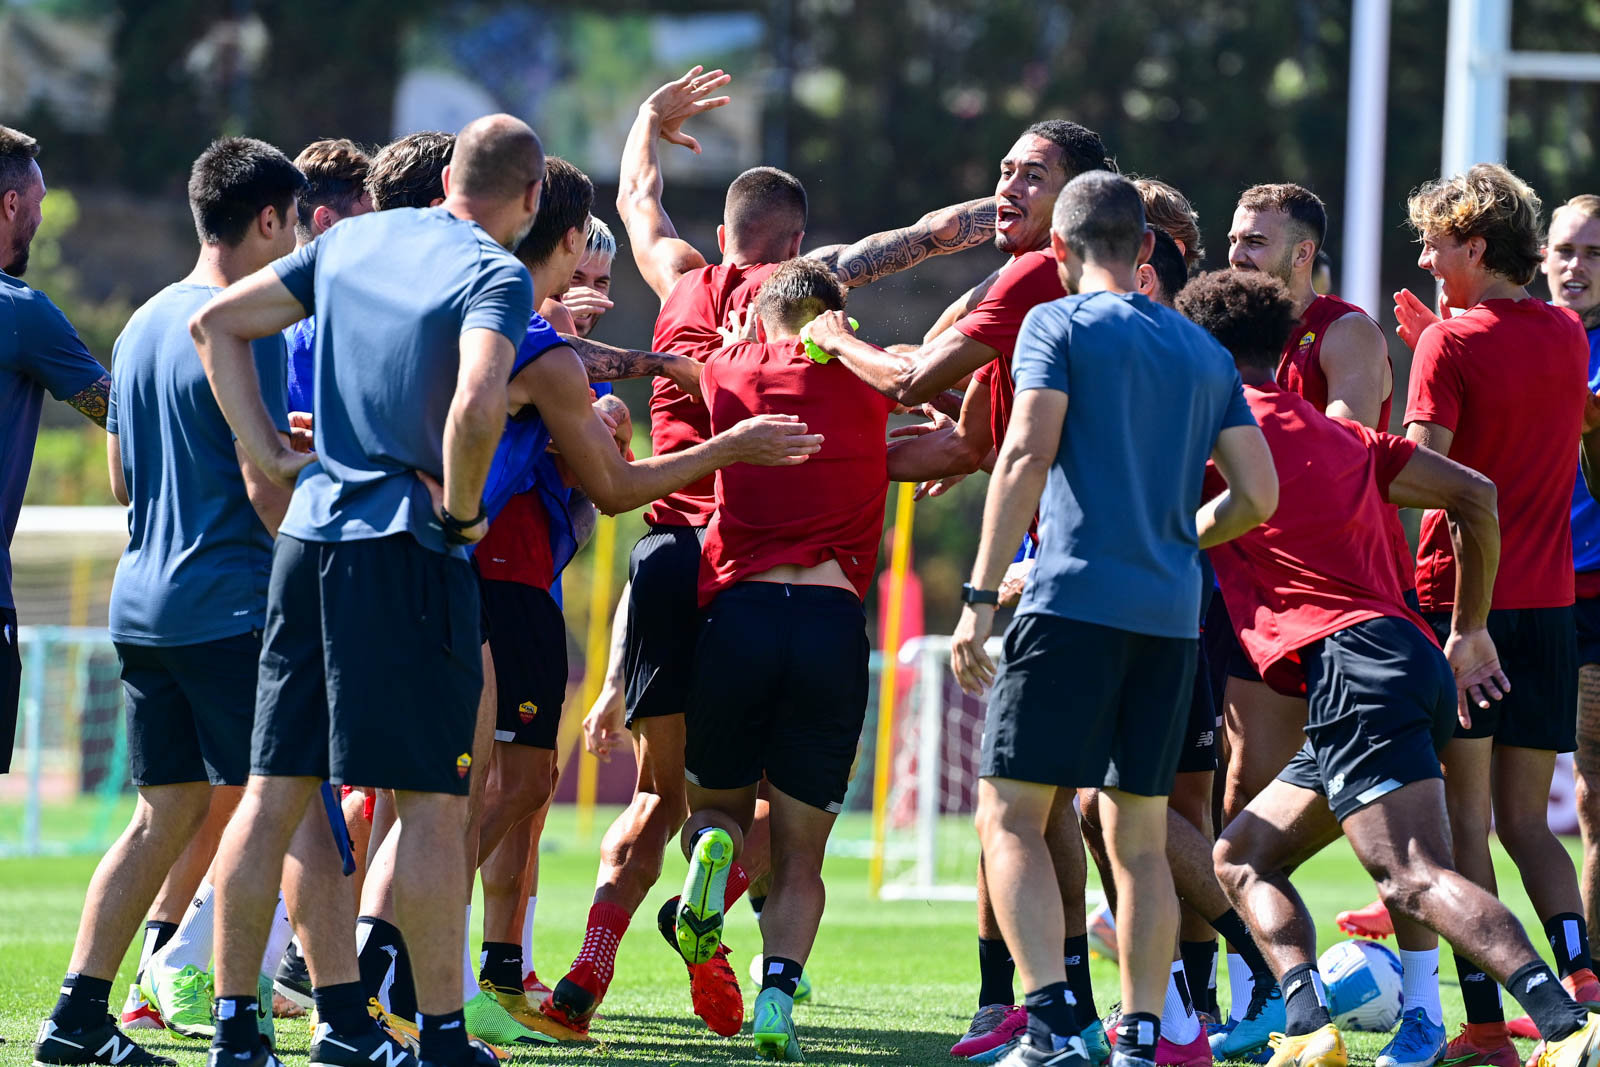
(1200, 968)
(1569, 940)
(1137, 1035)
(156, 936)
(381, 950)
(1304, 1008)
(84, 1002)
(443, 1038)
(237, 1029)
(995, 971)
(1075, 954)
(1231, 927)
(1052, 1016)
(1479, 994)
(1555, 1013)
(757, 903)
(781, 974)
(502, 965)
(343, 1007)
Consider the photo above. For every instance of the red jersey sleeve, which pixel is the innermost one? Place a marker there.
(1434, 394)
(1390, 453)
(1021, 286)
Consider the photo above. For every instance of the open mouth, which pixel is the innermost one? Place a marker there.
(1574, 288)
(1007, 216)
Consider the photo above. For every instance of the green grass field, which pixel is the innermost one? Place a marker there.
(896, 982)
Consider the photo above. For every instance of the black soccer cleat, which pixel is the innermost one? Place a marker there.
(478, 1055)
(293, 980)
(101, 1044)
(361, 1050)
(263, 1056)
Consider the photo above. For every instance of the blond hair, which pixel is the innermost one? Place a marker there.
(1168, 209)
(1490, 202)
(1587, 205)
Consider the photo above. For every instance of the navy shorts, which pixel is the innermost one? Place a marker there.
(1079, 705)
(1200, 738)
(528, 643)
(1380, 703)
(190, 709)
(1538, 649)
(10, 685)
(663, 620)
(371, 667)
(1586, 617)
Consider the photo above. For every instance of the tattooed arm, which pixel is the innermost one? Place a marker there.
(949, 229)
(92, 402)
(606, 363)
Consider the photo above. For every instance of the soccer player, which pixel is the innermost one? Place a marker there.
(39, 350)
(1110, 613)
(588, 293)
(1320, 607)
(189, 596)
(764, 220)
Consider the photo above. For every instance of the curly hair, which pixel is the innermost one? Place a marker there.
(1490, 202)
(1249, 312)
(410, 172)
(1168, 209)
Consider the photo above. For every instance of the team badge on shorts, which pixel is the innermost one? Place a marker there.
(463, 764)
(527, 710)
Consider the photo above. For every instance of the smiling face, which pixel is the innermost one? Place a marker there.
(1571, 264)
(1455, 264)
(594, 272)
(1031, 175)
(1268, 241)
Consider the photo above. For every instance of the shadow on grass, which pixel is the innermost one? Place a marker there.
(650, 1037)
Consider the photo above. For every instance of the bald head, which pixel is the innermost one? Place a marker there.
(496, 158)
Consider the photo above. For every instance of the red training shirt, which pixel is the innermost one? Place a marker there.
(1322, 563)
(517, 546)
(830, 506)
(1026, 282)
(1508, 377)
(687, 326)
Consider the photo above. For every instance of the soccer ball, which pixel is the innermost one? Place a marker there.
(1362, 979)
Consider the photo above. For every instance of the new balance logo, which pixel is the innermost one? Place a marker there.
(116, 1049)
(1536, 980)
(389, 1055)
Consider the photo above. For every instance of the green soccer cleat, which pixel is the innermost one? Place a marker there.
(183, 997)
(699, 922)
(773, 1027)
(488, 1021)
(264, 1022)
(802, 990)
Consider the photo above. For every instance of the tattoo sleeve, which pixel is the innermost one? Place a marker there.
(607, 364)
(950, 229)
(94, 401)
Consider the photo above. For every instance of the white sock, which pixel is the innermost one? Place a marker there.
(469, 973)
(1178, 1022)
(278, 939)
(1420, 988)
(527, 935)
(191, 944)
(1241, 986)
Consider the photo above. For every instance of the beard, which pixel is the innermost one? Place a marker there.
(18, 265)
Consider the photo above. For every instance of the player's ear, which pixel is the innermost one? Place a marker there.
(268, 221)
(445, 180)
(795, 245)
(722, 238)
(322, 219)
(8, 203)
(1058, 247)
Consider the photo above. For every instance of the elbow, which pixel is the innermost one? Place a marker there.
(910, 389)
(1261, 502)
(1476, 501)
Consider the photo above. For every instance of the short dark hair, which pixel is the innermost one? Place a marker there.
(496, 158)
(1082, 150)
(1100, 216)
(1303, 207)
(798, 292)
(764, 209)
(1168, 263)
(409, 172)
(564, 205)
(1250, 312)
(232, 181)
(1487, 201)
(336, 178)
(17, 153)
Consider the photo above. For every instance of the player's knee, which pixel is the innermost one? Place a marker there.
(1404, 889)
(1231, 862)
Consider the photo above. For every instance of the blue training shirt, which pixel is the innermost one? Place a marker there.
(393, 291)
(198, 557)
(39, 351)
(1585, 512)
(1148, 393)
(301, 339)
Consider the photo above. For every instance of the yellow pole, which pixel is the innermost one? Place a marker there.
(899, 564)
(599, 648)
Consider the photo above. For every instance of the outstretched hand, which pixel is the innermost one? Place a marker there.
(1412, 316)
(684, 98)
(775, 441)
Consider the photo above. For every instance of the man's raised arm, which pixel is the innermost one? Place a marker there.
(949, 229)
(910, 376)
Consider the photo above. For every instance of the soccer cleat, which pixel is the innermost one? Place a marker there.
(263, 1057)
(1370, 921)
(573, 1001)
(1523, 1026)
(137, 1011)
(487, 1020)
(1323, 1047)
(773, 1027)
(375, 1047)
(1103, 933)
(183, 997)
(517, 1005)
(1023, 1053)
(713, 987)
(1196, 1053)
(1481, 1045)
(401, 1031)
(293, 979)
(1419, 1042)
(1264, 1017)
(1096, 1042)
(100, 1044)
(699, 918)
(535, 989)
(264, 1022)
(993, 1027)
(802, 992)
(1579, 1049)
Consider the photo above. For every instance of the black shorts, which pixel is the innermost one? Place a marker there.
(779, 688)
(1380, 703)
(1079, 705)
(1586, 617)
(663, 620)
(1200, 738)
(10, 685)
(528, 643)
(1538, 649)
(190, 709)
(371, 666)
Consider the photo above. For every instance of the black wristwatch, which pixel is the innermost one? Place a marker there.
(971, 595)
(454, 528)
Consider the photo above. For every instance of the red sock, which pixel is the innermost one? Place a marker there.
(607, 924)
(738, 882)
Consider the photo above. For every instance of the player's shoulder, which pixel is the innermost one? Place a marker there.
(27, 307)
